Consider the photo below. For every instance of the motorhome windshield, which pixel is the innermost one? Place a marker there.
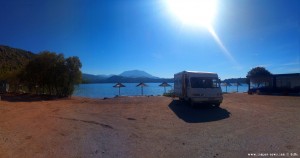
(200, 82)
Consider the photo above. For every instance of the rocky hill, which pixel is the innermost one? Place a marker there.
(12, 59)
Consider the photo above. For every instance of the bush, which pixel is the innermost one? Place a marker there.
(50, 73)
(170, 93)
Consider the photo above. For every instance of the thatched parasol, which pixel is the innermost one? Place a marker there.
(226, 84)
(164, 84)
(119, 85)
(237, 86)
(142, 85)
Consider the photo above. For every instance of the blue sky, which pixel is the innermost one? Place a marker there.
(113, 36)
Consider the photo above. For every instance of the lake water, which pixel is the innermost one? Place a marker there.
(102, 90)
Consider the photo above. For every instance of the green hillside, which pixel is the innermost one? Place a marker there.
(12, 60)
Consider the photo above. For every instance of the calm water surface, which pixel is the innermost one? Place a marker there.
(101, 90)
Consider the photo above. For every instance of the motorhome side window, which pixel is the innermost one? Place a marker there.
(199, 82)
(216, 83)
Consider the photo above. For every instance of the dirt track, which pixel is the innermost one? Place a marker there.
(150, 127)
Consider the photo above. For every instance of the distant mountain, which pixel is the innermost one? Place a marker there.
(133, 76)
(104, 76)
(235, 80)
(137, 74)
(13, 59)
(116, 78)
(89, 78)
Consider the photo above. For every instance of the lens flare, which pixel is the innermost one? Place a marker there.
(220, 43)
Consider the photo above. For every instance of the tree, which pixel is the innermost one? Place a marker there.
(258, 75)
(50, 73)
(44, 73)
(74, 75)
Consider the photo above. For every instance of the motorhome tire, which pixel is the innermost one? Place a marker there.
(192, 104)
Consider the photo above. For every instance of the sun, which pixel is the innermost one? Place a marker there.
(197, 13)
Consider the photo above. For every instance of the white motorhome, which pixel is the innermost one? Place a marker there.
(198, 87)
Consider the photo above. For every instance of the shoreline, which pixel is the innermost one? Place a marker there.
(26, 97)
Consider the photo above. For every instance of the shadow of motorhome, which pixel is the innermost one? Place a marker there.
(199, 114)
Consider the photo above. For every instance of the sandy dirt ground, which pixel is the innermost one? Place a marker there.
(150, 127)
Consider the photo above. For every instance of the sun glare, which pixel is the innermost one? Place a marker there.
(198, 13)
(193, 12)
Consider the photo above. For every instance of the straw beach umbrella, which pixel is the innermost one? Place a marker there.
(142, 85)
(226, 84)
(164, 84)
(119, 85)
(237, 86)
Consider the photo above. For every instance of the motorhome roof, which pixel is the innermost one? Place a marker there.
(196, 72)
